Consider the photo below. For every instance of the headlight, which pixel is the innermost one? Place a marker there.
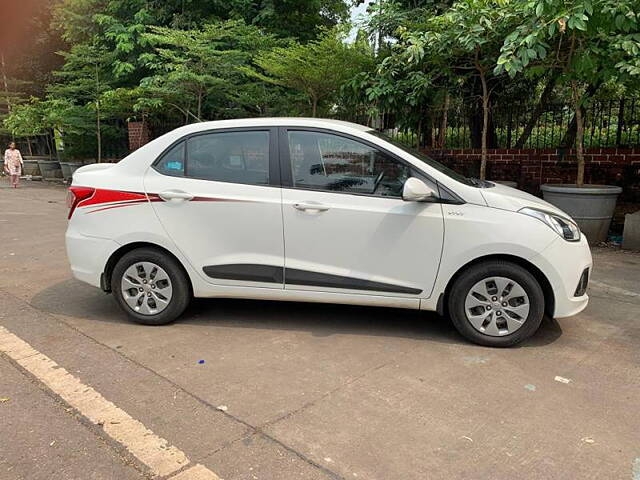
(564, 227)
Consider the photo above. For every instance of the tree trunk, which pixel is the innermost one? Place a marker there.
(98, 127)
(314, 106)
(433, 132)
(485, 125)
(570, 136)
(98, 131)
(199, 103)
(6, 84)
(579, 132)
(537, 112)
(485, 114)
(419, 132)
(51, 143)
(442, 137)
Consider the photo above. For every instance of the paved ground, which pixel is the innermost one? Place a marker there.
(328, 392)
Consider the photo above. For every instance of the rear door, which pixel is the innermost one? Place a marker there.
(216, 194)
(347, 229)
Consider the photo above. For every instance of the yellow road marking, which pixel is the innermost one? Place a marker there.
(155, 452)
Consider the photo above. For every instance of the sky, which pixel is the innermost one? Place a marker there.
(357, 12)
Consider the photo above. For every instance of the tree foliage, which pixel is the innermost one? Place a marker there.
(177, 61)
(318, 69)
(589, 42)
(198, 71)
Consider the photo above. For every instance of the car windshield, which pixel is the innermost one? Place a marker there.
(428, 160)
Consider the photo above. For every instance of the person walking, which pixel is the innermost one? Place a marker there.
(13, 164)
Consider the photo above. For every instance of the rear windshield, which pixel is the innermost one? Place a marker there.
(426, 159)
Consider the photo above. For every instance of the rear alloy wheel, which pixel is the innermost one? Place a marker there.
(150, 286)
(496, 303)
(146, 288)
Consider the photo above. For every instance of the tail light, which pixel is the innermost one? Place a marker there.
(77, 195)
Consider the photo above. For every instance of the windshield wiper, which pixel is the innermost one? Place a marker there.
(479, 183)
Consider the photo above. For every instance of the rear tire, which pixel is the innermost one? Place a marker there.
(496, 303)
(150, 286)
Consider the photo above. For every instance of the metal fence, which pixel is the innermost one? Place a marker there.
(608, 123)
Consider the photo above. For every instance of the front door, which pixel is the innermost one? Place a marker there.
(346, 226)
(216, 196)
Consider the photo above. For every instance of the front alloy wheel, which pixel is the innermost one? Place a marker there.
(497, 306)
(496, 303)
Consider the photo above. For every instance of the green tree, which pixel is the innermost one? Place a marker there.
(587, 42)
(120, 26)
(83, 80)
(464, 42)
(317, 69)
(198, 71)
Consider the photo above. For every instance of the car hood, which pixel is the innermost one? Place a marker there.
(508, 198)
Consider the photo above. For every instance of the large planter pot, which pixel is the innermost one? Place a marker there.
(31, 167)
(66, 171)
(50, 169)
(73, 166)
(591, 206)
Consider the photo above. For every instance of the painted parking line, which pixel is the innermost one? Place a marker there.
(162, 459)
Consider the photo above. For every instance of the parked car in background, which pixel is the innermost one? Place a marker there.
(320, 211)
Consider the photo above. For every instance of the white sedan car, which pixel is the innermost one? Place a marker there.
(320, 211)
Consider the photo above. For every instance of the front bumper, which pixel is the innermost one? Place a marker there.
(88, 255)
(564, 263)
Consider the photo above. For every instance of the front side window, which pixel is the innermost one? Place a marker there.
(235, 157)
(322, 161)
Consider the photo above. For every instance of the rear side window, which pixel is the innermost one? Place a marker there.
(172, 162)
(235, 157)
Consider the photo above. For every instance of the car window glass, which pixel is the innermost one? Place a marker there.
(172, 162)
(322, 161)
(236, 157)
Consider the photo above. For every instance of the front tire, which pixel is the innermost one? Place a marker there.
(150, 286)
(496, 304)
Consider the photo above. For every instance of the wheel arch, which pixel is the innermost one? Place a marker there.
(105, 278)
(549, 297)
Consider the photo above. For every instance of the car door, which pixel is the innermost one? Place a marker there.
(217, 195)
(346, 226)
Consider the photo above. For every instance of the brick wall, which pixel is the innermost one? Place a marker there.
(139, 134)
(532, 167)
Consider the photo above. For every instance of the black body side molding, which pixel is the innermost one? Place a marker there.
(248, 272)
(293, 276)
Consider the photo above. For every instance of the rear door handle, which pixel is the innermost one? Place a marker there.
(310, 206)
(175, 195)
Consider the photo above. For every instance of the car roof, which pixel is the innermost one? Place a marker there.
(275, 122)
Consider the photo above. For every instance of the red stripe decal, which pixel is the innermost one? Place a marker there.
(109, 196)
(112, 206)
(110, 199)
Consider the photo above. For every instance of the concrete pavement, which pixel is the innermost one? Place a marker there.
(312, 392)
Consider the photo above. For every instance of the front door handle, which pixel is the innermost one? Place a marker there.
(310, 206)
(175, 195)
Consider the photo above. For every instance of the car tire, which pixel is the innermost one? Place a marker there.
(511, 313)
(159, 290)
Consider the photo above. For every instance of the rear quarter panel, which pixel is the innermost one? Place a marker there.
(122, 220)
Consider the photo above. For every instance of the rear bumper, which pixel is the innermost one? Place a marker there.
(563, 263)
(88, 255)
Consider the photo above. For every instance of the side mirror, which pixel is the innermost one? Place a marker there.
(415, 190)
